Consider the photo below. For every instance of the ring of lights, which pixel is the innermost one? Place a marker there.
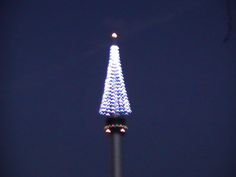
(115, 128)
(115, 125)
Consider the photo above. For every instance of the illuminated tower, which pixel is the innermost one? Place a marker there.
(115, 106)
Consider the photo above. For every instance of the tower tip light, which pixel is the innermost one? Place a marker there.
(114, 35)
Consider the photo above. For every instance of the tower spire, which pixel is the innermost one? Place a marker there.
(114, 106)
(115, 101)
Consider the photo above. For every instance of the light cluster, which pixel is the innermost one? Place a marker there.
(112, 127)
(114, 100)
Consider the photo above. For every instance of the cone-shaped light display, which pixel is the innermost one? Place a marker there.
(115, 100)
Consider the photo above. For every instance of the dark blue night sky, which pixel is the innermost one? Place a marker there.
(179, 64)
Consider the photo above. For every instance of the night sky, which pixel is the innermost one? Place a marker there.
(179, 64)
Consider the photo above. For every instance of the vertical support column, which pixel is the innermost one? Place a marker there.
(116, 144)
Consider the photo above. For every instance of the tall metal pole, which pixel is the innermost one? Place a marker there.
(116, 145)
(116, 127)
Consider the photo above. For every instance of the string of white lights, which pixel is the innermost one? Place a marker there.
(114, 100)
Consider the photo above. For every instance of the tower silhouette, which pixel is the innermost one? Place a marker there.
(115, 107)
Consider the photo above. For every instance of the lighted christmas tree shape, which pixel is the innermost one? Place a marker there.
(115, 101)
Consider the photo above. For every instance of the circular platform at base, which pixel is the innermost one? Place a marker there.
(117, 124)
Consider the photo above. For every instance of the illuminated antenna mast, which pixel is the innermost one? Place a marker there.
(115, 106)
(115, 100)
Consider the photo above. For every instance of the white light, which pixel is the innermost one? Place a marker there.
(122, 130)
(114, 35)
(108, 130)
(115, 100)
